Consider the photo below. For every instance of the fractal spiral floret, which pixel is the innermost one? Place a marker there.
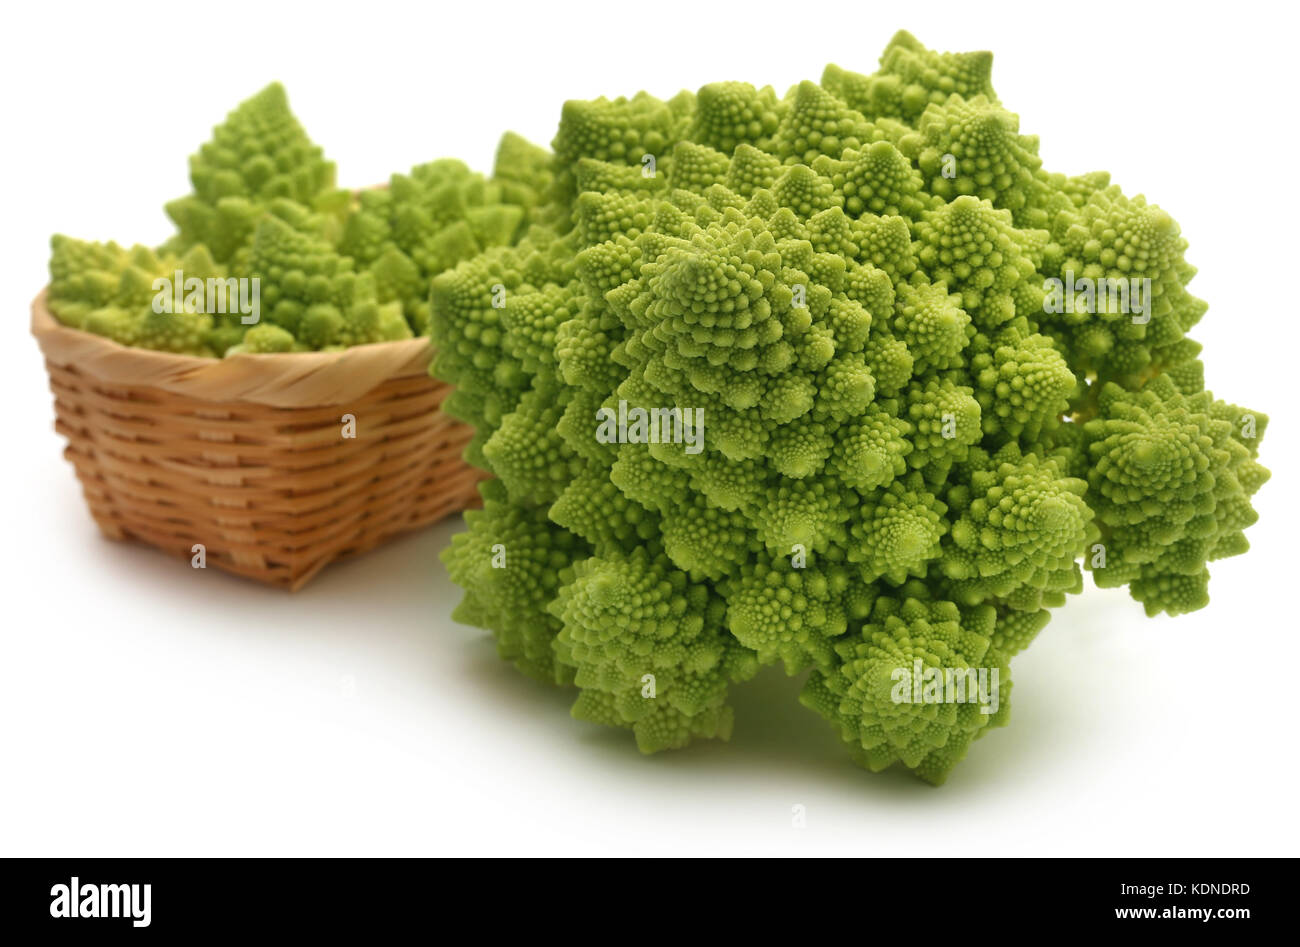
(880, 445)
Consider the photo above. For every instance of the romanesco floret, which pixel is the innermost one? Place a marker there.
(259, 154)
(787, 380)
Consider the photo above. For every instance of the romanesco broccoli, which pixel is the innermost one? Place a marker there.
(889, 427)
(284, 260)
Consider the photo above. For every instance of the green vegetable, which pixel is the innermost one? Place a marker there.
(286, 260)
(911, 436)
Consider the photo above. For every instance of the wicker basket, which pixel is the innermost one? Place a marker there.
(247, 456)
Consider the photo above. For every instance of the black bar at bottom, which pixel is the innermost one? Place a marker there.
(636, 897)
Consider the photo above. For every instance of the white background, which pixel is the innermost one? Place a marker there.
(149, 709)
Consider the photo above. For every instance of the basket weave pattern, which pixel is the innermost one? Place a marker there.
(247, 455)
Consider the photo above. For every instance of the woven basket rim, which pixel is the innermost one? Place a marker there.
(284, 380)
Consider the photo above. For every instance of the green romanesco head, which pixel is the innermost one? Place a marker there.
(842, 380)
